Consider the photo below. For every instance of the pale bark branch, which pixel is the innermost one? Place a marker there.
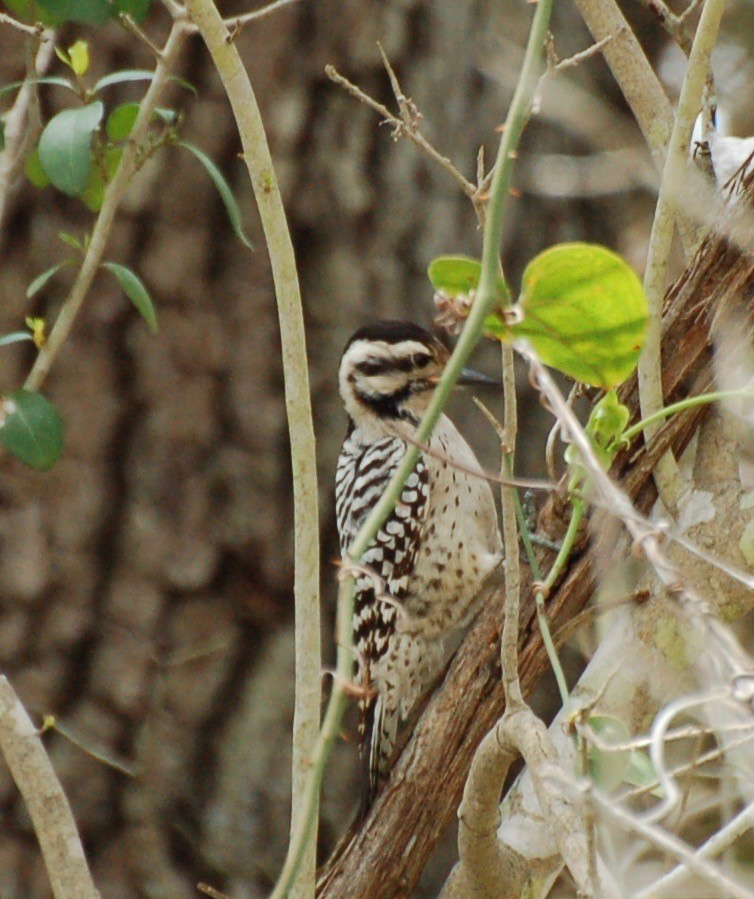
(670, 482)
(45, 800)
(308, 653)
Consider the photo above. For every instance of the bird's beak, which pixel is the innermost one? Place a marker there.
(469, 377)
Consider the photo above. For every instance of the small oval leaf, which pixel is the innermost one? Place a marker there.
(226, 194)
(65, 147)
(135, 291)
(584, 312)
(84, 12)
(59, 82)
(32, 429)
(454, 275)
(124, 76)
(93, 194)
(34, 171)
(120, 122)
(607, 768)
(39, 282)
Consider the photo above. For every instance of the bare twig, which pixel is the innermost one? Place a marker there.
(32, 30)
(479, 472)
(400, 128)
(710, 872)
(509, 641)
(722, 840)
(577, 58)
(16, 119)
(45, 800)
(130, 24)
(235, 24)
(673, 24)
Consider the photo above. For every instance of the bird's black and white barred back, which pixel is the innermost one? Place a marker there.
(433, 554)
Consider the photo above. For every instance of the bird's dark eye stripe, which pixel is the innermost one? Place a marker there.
(422, 360)
(386, 366)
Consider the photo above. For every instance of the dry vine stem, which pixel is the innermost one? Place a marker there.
(45, 800)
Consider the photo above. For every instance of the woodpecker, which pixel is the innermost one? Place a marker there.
(440, 550)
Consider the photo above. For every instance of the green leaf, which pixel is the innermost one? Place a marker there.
(65, 147)
(15, 337)
(454, 275)
(29, 11)
(34, 171)
(607, 422)
(137, 9)
(94, 192)
(120, 122)
(59, 82)
(135, 291)
(32, 429)
(121, 77)
(641, 773)
(72, 241)
(584, 312)
(223, 189)
(457, 275)
(606, 768)
(41, 280)
(84, 12)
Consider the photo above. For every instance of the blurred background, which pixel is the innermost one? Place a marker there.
(146, 581)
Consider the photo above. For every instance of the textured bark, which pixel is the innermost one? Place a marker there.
(145, 582)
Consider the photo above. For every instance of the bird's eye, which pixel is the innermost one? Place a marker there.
(422, 360)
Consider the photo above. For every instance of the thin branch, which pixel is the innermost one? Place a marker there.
(130, 24)
(308, 653)
(400, 128)
(673, 24)
(639, 85)
(509, 640)
(236, 23)
(33, 30)
(670, 482)
(102, 227)
(479, 471)
(713, 874)
(45, 800)
(577, 58)
(722, 840)
(16, 132)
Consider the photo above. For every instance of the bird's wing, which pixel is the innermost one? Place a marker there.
(362, 475)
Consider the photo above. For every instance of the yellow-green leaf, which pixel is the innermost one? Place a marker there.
(584, 312)
(78, 56)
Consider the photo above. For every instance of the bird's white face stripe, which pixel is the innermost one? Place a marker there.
(362, 350)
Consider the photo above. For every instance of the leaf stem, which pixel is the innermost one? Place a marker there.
(577, 513)
(682, 405)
